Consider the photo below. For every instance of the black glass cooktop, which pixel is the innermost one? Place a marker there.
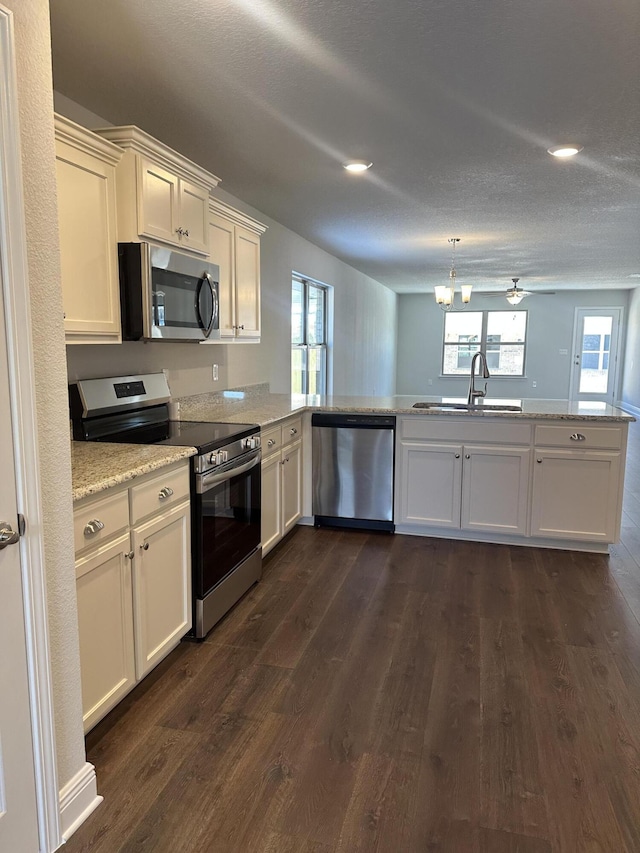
(203, 436)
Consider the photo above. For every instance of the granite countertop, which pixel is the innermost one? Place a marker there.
(96, 466)
(264, 408)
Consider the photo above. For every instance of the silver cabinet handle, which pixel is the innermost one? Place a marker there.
(130, 555)
(539, 461)
(8, 536)
(164, 493)
(577, 436)
(186, 232)
(467, 456)
(93, 526)
(144, 547)
(271, 442)
(457, 456)
(293, 431)
(179, 231)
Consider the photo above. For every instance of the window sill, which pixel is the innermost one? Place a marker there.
(492, 378)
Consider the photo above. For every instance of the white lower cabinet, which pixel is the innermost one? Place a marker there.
(281, 481)
(133, 581)
(162, 590)
(105, 623)
(545, 483)
(576, 494)
(464, 487)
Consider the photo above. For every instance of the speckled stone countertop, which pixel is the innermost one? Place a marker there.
(96, 466)
(264, 408)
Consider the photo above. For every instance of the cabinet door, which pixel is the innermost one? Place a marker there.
(271, 502)
(495, 489)
(88, 246)
(193, 217)
(105, 621)
(291, 486)
(575, 495)
(162, 585)
(247, 261)
(430, 484)
(158, 203)
(221, 247)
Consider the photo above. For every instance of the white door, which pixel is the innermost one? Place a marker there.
(18, 811)
(431, 478)
(495, 489)
(594, 371)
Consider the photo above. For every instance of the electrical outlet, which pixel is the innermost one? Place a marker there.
(429, 381)
(534, 384)
(215, 373)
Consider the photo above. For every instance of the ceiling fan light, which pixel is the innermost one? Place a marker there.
(514, 298)
(465, 290)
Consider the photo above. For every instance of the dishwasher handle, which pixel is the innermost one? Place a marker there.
(337, 421)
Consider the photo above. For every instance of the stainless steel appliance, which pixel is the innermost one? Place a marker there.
(167, 295)
(225, 481)
(353, 467)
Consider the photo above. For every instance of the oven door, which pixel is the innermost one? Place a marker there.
(226, 521)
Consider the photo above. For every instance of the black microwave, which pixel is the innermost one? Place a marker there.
(166, 295)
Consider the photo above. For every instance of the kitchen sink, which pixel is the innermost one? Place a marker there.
(466, 407)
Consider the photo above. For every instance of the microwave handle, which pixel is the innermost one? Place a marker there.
(207, 327)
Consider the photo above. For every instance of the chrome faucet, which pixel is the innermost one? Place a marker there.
(473, 394)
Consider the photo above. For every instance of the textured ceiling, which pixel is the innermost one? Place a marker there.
(454, 101)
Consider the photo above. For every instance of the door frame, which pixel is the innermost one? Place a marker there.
(573, 379)
(15, 288)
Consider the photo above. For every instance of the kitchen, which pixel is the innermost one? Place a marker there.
(238, 366)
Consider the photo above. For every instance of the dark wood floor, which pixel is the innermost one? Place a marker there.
(392, 693)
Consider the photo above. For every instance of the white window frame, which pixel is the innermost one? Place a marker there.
(307, 284)
(483, 343)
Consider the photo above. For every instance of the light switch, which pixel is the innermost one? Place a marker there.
(215, 372)
(564, 352)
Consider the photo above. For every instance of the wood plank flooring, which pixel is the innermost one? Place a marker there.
(391, 693)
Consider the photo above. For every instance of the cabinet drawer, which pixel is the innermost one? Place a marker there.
(471, 429)
(100, 520)
(271, 440)
(579, 436)
(159, 494)
(291, 431)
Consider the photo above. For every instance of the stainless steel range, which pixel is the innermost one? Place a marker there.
(225, 480)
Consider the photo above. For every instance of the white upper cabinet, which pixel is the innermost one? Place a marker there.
(162, 196)
(86, 178)
(234, 241)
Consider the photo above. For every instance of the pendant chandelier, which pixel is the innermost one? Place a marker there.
(445, 296)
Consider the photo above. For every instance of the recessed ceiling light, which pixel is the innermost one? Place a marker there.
(565, 150)
(357, 165)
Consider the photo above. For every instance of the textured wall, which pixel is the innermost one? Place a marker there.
(550, 329)
(31, 22)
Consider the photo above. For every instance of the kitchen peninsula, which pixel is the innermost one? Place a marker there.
(550, 475)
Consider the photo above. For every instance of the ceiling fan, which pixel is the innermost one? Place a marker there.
(514, 294)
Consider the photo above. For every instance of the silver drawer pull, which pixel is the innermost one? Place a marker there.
(144, 547)
(164, 493)
(271, 442)
(577, 436)
(93, 526)
(293, 431)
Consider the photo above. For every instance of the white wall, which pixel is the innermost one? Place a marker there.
(550, 329)
(364, 344)
(631, 378)
(33, 57)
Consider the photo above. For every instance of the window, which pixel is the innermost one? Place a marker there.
(500, 334)
(309, 337)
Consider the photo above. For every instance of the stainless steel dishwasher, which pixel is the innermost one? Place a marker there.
(353, 466)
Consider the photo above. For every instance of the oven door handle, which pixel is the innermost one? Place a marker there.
(205, 481)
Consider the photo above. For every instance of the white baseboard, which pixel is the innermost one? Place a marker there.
(78, 799)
